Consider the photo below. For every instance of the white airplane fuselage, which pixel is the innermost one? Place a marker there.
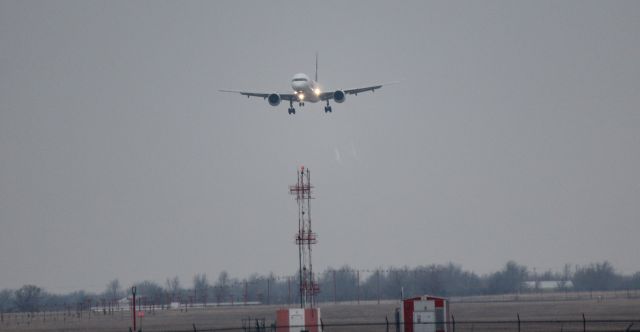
(305, 88)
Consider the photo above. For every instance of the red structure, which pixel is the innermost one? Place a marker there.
(305, 238)
(295, 320)
(424, 313)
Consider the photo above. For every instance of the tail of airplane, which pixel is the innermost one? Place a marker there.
(316, 79)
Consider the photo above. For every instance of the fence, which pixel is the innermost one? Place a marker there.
(583, 325)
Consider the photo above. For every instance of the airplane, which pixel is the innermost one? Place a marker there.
(307, 90)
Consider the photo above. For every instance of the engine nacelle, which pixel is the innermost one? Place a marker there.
(274, 99)
(339, 96)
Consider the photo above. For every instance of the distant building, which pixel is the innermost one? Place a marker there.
(125, 301)
(547, 285)
(423, 314)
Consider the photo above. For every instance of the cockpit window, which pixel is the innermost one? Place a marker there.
(299, 79)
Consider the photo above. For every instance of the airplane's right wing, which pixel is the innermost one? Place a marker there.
(283, 96)
(288, 96)
(248, 94)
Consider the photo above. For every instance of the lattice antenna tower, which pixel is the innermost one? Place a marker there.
(305, 238)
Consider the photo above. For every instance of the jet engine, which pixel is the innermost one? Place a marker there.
(274, 99)
(339, 96)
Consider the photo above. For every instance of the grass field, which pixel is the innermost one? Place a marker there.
(481, 313)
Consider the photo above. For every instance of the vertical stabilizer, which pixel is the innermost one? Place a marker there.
(316, 67)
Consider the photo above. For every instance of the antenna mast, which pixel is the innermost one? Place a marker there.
(305, 238)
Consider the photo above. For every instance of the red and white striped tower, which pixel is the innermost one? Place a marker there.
(305, 238)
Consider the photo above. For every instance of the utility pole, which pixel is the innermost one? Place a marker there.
(358, 283)
(289, 293)
(245, 293)
(268, 290)
(378, 284)
(334, 288)
(133, 308)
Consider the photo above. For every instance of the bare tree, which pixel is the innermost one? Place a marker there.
(200, 287)
(28, 298)
(149, 292)
(221, 288)
(566, 276)
(113, 290)
(598, 276)
(6, 300)
(509, 280)
(173, 287)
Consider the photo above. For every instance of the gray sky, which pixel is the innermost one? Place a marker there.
(514, 134)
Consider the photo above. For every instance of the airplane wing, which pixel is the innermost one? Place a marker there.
(365, 89)
(329, 95)
(283, 96)
(288, 96)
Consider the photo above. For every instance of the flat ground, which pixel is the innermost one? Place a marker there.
(471, 314)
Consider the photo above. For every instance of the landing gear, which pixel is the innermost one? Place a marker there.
(291, 109)
(327, 109)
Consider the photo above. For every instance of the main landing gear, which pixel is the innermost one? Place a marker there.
(291, 109)
(327, 109)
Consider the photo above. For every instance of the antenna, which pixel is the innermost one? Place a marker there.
(316, 66)
(305, 238)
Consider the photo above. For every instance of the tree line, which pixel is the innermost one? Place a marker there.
(342, 284)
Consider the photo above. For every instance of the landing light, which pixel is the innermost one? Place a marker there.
(301, 96)
(317, 91)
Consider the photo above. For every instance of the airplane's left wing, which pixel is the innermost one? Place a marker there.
(330, 94)
(365, 89)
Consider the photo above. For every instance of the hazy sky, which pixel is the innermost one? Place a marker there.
(514, 134)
